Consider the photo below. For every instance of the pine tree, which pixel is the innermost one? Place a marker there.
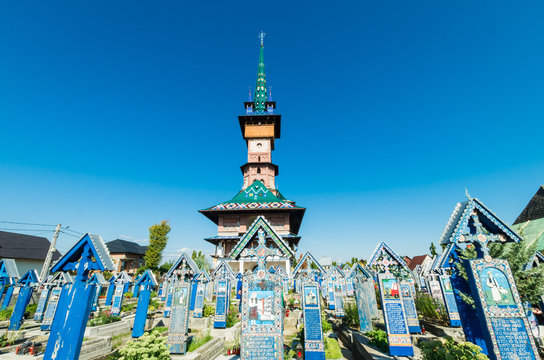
(158, 237)
(432, 249)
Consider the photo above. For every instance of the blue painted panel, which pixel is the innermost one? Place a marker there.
(109, 294)
(117, 300)
(314, 347)
(179, 319)
(67, 332)
(363, 308)
(7, 297)
(17, 317)
(194, 285)
(199, 302)
(410, 308)
(51, 308)
(221, 306)
(449, 300)
(42, 303)
(144, 297)
(400, 342)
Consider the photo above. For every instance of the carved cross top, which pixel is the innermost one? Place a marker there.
(480, 238)
(261, 252)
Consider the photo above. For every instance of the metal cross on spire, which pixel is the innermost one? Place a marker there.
(261, 252)
(481, 238)
(261, 36)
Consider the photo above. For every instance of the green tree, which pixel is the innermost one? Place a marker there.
(200, 260)
(158, 237)
(432, 249)
(163, 269)
(529, 282)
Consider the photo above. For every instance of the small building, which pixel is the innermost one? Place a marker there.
(530, 223)
(126, 255)
(28, 251)
(421, 260)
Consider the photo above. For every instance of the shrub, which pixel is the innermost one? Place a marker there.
(378, 338)
(128, 307)
(430, 308)
(232, 316)
(30, 310)
(198, 341)
(448, 349)
(5, 314)
(128, 295)
(325, 323)
(208, 310)
(332, 349)
(351, 315)
(149, 346)
(103, 318)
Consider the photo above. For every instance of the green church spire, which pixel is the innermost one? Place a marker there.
(260, 89)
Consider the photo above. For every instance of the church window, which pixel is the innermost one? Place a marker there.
(258, 170)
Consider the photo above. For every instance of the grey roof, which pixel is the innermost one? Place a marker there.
(22, 246)
(534, 209)
(11, 268)
(119, 246)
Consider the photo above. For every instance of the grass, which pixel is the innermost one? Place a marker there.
(332, 349)
(6, 313)
(198, 341)
(117, 340)
(161, 329)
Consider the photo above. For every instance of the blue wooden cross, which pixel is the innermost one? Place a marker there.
(27, 283)
(111, 290)
(8, 276)
(136, 288)
(123, 280)
(66, 336)
(261, 252)
(47, 286)
(145, 285)
(481, 238)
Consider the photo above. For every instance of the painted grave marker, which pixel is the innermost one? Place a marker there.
(398, 335)
(314, 347)
(118, 295)
(98, 280)
(73, 309)
(202, 281)
(8, 278)
(410, 307)
(363, 303)
(186, 269)
(111, 290)
(262, 311)
(449, 299)
(223, 275)
(49, 285)
(145, 285)
(27, 283)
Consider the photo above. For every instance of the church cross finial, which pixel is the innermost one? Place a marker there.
(261, 36)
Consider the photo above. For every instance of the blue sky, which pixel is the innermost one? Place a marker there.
(116, 115)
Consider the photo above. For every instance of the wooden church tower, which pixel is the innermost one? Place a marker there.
(259, 203)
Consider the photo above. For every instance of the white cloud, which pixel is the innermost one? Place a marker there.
(126, 237)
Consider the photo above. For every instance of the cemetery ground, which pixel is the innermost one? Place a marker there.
(107, 335)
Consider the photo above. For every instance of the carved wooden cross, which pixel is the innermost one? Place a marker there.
(480, 238)
(261, 252)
